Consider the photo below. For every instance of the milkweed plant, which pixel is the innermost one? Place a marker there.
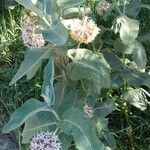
(84, 64)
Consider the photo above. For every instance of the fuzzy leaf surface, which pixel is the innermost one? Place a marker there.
(82, 129)
(69, 3)
(39, 122)
(31, 63)
(105, 108)
(139, 56)
(47, 87)
(56, 34)
(129, 30)
(29, 108)
(87, 65)
(137, 97)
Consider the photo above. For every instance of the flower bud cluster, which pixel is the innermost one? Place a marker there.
(102, 7)
(30, 36)
(88, 110)
(45, 141)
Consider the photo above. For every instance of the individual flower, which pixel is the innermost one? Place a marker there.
(82, 30)
(30, 36)
(45, 141)
(88, 110)
(102, 7)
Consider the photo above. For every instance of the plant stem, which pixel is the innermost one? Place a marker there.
(55, 114)
(124, 7)
(56, 130)
(93, 45)
(78, 46)
(118, 9)
(124, 58)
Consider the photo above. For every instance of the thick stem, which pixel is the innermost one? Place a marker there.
(55, 114)
(78, 46)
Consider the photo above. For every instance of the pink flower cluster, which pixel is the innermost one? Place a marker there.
(102, 7)
(30, 36)
(88, 110)
(45, 141)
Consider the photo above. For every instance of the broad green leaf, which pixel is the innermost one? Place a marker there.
(108, 139)
(50, 9)
(104, 134)
(133, 9)
(47, 87)
(145, 6)
(88, 86)
(39, 122)
(44, 9)
(137, 97)
(66, 141)
(139, 56)
(29, 108)
(56, 34)
(30, 74)
(132, 76)
(29, 4)
(117, 81)
(69, 3)
(31, 63)
(128, 30)
(144, 38)
(72, 98)
(112, 59)
(87, 65)
(101, 124)
(124, 49)
(105, 108)
(51, 6)
(82, 129)
(69, 13)
(135, 78)
(135, 48)
(60, 90)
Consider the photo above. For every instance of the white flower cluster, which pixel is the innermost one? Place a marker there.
(88, 110)
(29, 35)
(45, 141)
(82, 30)
(102, 7)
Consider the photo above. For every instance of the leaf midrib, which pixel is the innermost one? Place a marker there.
(92, 69)
(71, 122)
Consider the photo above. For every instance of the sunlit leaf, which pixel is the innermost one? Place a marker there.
(137, 97)
(39, 122)
(29, 108)
(31, 63)
(105, 108)
(139, 56)
(82, 129)
(133, 9)
(69, 3)
(129, 30)
(56, 34)
(87, 65)
(47, 87)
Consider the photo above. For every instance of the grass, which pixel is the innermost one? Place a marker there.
(130, 125)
